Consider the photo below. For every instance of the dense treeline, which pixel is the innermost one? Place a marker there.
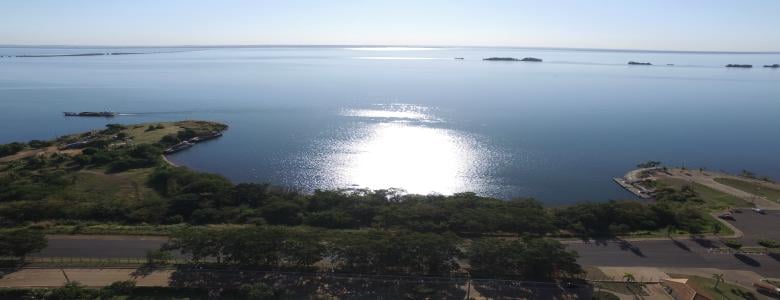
(140, 156)
(531, 258)
(201, 198)
(376, 251)
(615, 218)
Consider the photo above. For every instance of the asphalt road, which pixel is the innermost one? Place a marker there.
(757, 226)
(683, 253)
(99, 247)
(668, 253)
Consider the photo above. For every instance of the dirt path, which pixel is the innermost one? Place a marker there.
(707, 179)
(167, 161)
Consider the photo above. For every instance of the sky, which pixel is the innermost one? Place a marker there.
(687, 25)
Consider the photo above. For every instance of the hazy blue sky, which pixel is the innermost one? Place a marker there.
(628, 24)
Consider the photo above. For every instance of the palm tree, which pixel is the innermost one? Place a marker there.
(628, 277)
(718, 279)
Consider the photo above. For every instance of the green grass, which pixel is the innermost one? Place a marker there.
(141, 135)
(714, 200)
(95, 185)
(725, 290)
(752, 187)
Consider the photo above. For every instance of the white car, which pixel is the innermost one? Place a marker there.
(758, 210)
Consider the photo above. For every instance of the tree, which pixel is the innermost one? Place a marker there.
(718, 279)
(532, 259)
(281, 212)
(396, 252)
(302, 249)
(72, 291)
(21, 242)
(157, 257)
(628, 277)
(716, 228)
(124, 287)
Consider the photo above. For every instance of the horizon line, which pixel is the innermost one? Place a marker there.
(382, 45)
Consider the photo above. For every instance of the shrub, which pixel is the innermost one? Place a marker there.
(733, 244)
(769, 243)
(157, 257)
(258, 291)
(112, 129)
(72, 290)
(35, 144)
(121, 287)
(10, 149)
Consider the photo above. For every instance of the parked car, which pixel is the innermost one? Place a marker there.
(758, 210)
(763, 286)
(726, 216)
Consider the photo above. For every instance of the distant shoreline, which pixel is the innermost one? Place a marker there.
(388, 46)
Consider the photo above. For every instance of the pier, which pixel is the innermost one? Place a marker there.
(631, 182)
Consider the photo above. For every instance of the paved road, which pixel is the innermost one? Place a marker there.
(99, 247)
(664, 253)
(682, 253)
(757, 226)
(668, 253)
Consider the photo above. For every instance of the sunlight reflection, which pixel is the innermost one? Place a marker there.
(409, 114)
(416, 159)
(411, 154)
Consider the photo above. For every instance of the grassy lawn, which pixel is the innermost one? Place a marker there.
(725, 290)
(142, 135)
(752, 187)
(713, 200)
(126, 186)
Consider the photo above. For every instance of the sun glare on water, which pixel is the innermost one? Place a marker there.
(401, 148)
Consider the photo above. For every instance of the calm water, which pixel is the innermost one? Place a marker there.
(417, 119)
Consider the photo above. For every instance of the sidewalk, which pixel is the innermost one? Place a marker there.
(38, 277)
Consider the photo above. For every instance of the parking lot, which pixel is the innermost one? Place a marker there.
(757, 226)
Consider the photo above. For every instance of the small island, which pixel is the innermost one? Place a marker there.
(639, 63)
(527, 59)
(775, 66)
(738, 66)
